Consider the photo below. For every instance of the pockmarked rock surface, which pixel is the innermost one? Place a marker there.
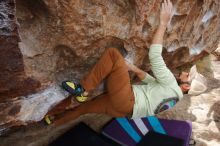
(63, 39)
(44, 42)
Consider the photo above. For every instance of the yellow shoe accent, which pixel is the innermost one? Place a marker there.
(72, 85)
(81, 98)
(47, 120)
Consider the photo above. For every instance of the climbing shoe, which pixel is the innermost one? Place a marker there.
(72, 87)
(81, 98)
(75, 89)
(48, 119)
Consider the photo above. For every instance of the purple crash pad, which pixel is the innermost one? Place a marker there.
(139, 127)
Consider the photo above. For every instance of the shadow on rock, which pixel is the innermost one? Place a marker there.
(215, 113)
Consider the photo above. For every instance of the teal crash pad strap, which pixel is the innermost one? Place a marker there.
(129, 129)
(156, 125)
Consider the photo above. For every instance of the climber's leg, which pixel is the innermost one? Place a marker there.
(119, 99)
(111, 64)
(102, 69)
(112, 67)
(99, 105)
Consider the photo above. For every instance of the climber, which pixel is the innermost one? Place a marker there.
(122, 98)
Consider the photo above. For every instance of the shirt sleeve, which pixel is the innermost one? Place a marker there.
(148, 78)
(161, 72)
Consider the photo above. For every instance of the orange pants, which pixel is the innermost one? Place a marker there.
(119, 99)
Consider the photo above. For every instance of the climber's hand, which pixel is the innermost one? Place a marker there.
(166, 12)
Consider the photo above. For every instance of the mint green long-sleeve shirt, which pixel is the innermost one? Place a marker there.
(153, 91)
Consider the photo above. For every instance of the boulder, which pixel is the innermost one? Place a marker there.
(44, 42)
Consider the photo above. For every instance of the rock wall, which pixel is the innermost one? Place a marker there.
(12, 76)
(61, 40)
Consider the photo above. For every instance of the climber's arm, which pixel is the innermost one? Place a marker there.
(165, 17)
(162, 73)
(142, 75)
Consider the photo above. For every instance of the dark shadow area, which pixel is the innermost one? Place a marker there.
(178, 18)
(176, 58)
(36, 7)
